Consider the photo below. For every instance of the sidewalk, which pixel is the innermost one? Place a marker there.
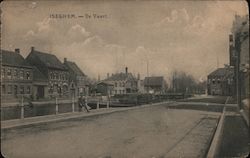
(8, 124)
(234, 141)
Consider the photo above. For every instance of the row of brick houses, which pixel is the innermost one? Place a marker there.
(40, 76)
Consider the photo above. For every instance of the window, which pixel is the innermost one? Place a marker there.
(51, 75)
(3, 89)
(15, 89)
(51, 89)
(9, 89)
(15, 74)
(218, 81)
(21, 89)
(3, 72)
(213, 81)
(28, 89)
(120, 91)
(9, 73)
(21, 74)
(28, 75)
(115, 84)
(57, 76)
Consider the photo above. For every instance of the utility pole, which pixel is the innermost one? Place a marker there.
(238, 78)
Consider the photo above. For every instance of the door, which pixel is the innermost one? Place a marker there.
(15, 90)
(40, 92)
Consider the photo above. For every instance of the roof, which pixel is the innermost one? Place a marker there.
(12, 58)
(105, 83)
(50, 60)
(37, 75)
(121, 76)
(222, 72)
(72, 66)
(154, 81)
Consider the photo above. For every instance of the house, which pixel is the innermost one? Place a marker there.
(239, 53)
(124, 82)
(16, 75)
(40, 85)
(53, 70)
(155, 84)
(104, 88)
(77, 79)
(220, 82)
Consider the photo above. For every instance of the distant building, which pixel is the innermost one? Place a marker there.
(155, 84)
(53, 70)
(220, 82)
(77, 79)
(104, 88)
(16, 75)
(124, 83)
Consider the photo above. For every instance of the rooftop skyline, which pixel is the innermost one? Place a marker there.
(185, 35)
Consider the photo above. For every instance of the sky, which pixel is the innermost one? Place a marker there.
(189, 36)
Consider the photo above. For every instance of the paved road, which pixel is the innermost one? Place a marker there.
(155, 131)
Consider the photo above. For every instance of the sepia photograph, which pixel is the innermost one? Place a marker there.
(124, 79)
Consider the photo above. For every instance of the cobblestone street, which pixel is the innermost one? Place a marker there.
(155, 131)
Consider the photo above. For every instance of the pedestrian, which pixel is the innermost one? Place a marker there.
(80, 101)
(85, 105)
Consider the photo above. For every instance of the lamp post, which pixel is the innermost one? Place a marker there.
(237, 67)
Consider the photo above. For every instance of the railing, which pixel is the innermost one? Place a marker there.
(25, 108)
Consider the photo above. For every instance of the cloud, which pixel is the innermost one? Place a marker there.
(94, 55)
(177, 18)
(44, 25)
(78, 30)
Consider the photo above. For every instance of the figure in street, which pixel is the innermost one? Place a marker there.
(82, 103)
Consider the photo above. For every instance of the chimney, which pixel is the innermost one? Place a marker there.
(99, 78)
(126, 70)
(107, 75)
(65, 60)
(138, 76)
(32, 49)
(17, 50)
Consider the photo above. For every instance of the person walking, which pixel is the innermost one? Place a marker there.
(85, 105)
(82, 103)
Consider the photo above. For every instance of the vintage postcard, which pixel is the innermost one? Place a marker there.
(124, 79)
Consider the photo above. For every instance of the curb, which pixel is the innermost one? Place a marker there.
(245, 117)
(216, 138)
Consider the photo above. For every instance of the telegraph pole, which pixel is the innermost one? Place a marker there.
(238, 78)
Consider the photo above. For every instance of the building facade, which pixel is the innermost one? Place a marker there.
(53, 70)
(155, 84)
(220, 82)
(239, 54)
(16, 76)
(104, 88)
(77, 79)
(124, 83)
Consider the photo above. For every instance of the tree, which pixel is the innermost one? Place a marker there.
(185, 83)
